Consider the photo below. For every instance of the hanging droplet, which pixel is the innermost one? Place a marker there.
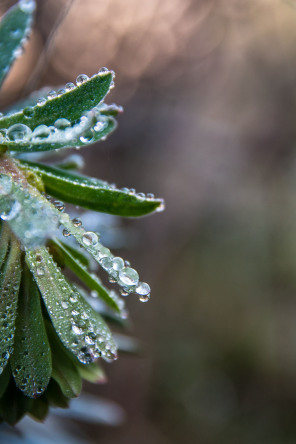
(66, 233)
(143, 290)
(128, 277)
(19, 132)
(81, 79)
(90, 238)
(161, 207)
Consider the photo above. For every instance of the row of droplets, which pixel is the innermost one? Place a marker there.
(119, 271)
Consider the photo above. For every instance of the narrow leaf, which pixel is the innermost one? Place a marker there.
(55, 396)
(14, 404)
(29, 215)
(4, 241)
(71, 104)
(92, 373)
(78, 326)
(94, 194)
(4, 379)
(64, 371)
(10, 278)
(39, 409)
(14, 29)
(31, 359)
(90, 129)
(91, 280)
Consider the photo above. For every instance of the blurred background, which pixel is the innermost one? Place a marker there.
(209, 91)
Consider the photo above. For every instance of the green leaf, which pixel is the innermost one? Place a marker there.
(10, 278)
(4, 241)
(14, 29)
(70, 105)
(4, 379)
(39, 409)
(14, 404)
(55, 396)
(31, 359)
(92, 373)
(92, 193)
(29, 215)
(91, 280)
(78, 255)
(78, 326)
(90, 129)
(64, 371)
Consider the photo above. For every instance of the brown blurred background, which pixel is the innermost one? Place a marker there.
(209, 91)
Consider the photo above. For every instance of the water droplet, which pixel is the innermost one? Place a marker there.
(90, 238)
(117, 263)
(41, 101)
(104, 69)
(81, 79)
(69, 86)
(28, 112)
(161, 207)
(52, 94)
(59, 205)
(12, 212)
(104, 252)
(62, 123)
(76, 222)
(128, 277)
(66, 233)
(87, 137)
(141, 196)
(40, 271)
(15, 34)
(41, 132)
(106, 263)
(77, 330)
(64, 305)
(94, 294)
(5, 185)
(19, 132)
(61, 91)
(27, 6)
(150, 196)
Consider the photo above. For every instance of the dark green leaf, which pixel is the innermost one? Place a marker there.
(10, 278)
(39, 409)
(31, 359)
(14, 29)
(78, 326)
(70, 105)
(91, 280)
(64, 371)
(55, 396)
(92, 193)
(14, 404)
(4, 379)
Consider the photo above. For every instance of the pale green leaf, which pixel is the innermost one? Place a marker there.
(78, 326)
